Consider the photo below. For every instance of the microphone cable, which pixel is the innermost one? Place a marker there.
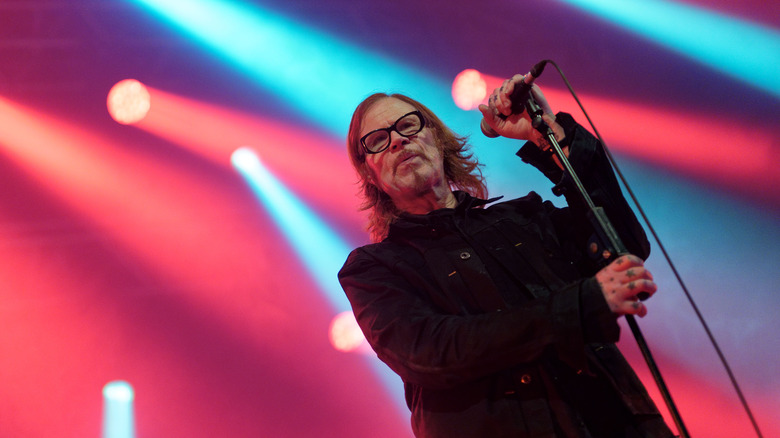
(680, 281)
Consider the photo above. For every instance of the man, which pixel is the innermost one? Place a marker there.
(495, 317)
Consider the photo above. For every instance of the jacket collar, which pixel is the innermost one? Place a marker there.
(435, 221)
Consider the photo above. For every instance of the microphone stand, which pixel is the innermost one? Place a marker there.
(609, 245)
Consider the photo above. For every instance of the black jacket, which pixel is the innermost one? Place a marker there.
(492, 318)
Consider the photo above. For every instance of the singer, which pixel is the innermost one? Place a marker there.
(492, 313)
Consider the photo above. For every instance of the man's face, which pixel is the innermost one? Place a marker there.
(409, 167)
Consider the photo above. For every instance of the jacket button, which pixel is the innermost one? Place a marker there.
(465, 255)
(525, 379)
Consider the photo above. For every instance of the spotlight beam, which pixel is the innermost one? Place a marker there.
(321, 250)
(745, 51)
(320, 76)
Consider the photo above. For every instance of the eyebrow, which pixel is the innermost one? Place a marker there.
(397, 118)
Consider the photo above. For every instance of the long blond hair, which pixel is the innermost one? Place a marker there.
(460, 167)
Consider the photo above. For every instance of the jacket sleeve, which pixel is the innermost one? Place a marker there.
(591, 165)
(437, 348)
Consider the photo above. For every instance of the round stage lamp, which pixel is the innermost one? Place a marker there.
(469, 89)
(128, 101)
(345, 334)
(118, 417)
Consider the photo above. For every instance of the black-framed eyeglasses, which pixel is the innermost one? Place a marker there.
(378, 140)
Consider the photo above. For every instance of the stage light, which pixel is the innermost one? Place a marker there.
(118, 419)
(118, 391)
(345, 334)
(128, 101)
(319, 248)
(245, 160)
(469, 89)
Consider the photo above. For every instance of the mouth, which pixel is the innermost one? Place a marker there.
(406, 157)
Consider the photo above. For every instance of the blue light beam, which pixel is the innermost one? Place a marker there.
(321, 250)
(118, 418)
(740, 49)
(320, 76)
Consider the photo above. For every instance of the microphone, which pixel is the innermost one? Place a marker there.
(518, 97)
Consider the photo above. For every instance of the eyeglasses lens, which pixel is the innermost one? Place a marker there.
(407, 125)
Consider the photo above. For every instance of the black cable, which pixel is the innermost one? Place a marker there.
(666, 255)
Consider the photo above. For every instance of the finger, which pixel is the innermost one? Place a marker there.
(636, 308)
(503, 100)
(637, 272)
(487, 113)
(504, 89)
(489, 117)
(509, 85)
(630, 290)
(626, 261)
(632, 307)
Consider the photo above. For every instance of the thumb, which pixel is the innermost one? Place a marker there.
(485, 110)
(489, 116)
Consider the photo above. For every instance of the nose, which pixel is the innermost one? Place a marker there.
(397, 140)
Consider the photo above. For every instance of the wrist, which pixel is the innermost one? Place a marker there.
(542, 141)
